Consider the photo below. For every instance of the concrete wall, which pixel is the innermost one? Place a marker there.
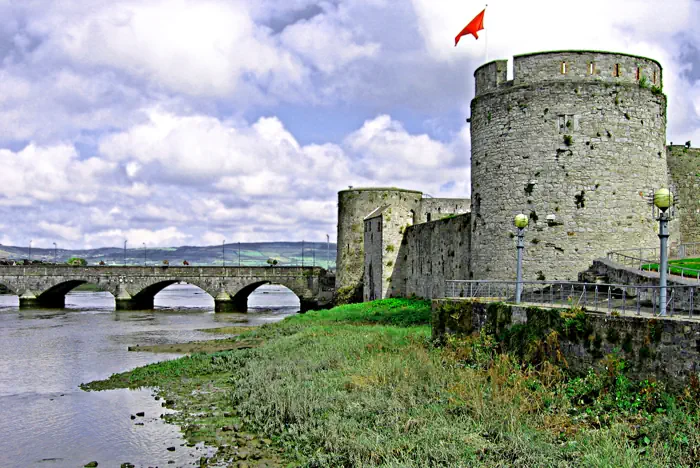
(577, 153)
(684, 170)
(666, 349)
(353, 206)
(432, 253)
(434, 209)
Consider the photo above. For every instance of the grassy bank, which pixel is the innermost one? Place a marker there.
(361, 385)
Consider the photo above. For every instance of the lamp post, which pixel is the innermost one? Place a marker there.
(302, 254)
(55, 251)
(520, 222)
(124, 252)
(239, 254)
(328, 252)
(663, 200)
(223, 253)
(30, 251)
(144, 253)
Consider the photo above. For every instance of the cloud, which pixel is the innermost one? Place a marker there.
(165, 237)
(69, 233)
(179, 120)
(200, 48)
(50, 173)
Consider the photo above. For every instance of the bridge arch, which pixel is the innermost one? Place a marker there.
(239, 299)
(55, 295)
(144, 298)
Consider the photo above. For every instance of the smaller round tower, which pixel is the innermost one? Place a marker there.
(354, 205)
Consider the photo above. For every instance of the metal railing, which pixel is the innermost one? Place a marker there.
(691, 250)
(648, 260)
(618, 298)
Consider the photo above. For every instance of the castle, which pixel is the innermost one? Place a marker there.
(576, 141)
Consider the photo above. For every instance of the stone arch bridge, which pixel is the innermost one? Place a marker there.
(134, 287)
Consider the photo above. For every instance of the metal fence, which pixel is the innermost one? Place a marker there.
(690, 250)
(648, 260)
(619, 298)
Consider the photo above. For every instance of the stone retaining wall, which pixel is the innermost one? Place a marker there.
(665, 349)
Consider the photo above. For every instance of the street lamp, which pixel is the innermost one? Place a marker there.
(124, 252)
(663, 200)
(520, 222)
(223, 253)
(302, 254)
(55, 250)
(144, 253)
(239, 254)
(328, 252)
(30, 251)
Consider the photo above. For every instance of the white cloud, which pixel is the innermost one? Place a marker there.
(51, 173)
(70, 233)
(165, 237)
(325, 43)
(202, 48)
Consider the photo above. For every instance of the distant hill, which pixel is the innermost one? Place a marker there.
(252, 254)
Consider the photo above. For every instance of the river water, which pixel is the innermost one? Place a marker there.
(47, 421)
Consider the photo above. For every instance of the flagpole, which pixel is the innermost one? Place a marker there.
(486, 42)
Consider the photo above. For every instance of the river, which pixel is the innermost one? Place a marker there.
(47, 421)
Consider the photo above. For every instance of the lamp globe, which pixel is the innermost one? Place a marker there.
(520, 221)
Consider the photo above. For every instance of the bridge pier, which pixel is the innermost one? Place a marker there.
(29, 301)
(223, 302)
(134, 304)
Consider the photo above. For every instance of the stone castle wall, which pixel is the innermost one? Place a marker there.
(684, 170)
(577, 152)
(433, 209)
(353, 206)
(374, 249)
(432, 253)
(665, 349)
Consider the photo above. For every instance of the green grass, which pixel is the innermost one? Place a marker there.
(362, 385)
(686, 266)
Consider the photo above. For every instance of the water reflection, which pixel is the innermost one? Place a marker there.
(46, 354)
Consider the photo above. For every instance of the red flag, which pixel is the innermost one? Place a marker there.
(474, 26)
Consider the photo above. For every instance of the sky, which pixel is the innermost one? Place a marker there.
(190, 122)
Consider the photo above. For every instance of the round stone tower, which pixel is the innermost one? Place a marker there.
(353, 206)
(576, 141)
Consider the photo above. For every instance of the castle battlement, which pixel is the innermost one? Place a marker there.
(569, 66)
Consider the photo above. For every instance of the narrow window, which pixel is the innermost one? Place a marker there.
(563, 68)
(428, 217)
(591, 68)
(379, 226)
(638, 73)
(616, 70)
(654, 76)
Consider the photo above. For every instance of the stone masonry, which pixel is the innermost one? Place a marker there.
(684, 170)
(576, 141)
(135, 287)
(577, 144)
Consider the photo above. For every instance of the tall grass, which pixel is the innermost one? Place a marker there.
(361, 385)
